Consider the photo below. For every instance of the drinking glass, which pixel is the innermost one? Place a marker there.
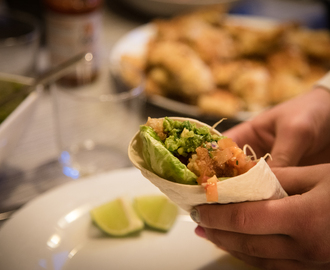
(95, 122)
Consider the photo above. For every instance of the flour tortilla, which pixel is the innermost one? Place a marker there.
(259, 183)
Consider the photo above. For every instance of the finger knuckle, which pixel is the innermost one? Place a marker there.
(302, 128)
(208, 218)
(282, 158)
(238, 220)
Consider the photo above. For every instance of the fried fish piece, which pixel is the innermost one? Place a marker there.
(168, 30)
(225, 71)
(210, 42)
(252, 86)
(253, 41)
(284, 86)
(288, 59)
(315, 43)
(132, 68)
(221, 103)
(152, 87)
(178, 69)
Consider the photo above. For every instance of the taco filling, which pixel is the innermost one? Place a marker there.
(183, 153)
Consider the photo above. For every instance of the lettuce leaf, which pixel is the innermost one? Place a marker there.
(162, 161)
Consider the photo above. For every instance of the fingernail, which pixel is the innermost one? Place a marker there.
(194, 214)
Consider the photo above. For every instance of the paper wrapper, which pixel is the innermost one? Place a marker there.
(259, 183)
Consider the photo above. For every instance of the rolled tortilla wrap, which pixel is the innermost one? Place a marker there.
(259, 183)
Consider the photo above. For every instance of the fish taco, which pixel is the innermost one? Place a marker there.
(192, 163)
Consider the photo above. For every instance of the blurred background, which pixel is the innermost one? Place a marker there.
(313, 13)
(32, 166)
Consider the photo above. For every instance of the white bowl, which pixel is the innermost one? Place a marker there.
(14, 125)
(172, 7)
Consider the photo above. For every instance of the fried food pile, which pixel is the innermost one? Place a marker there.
(225, 65)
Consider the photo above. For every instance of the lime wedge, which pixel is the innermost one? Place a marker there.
(157, 211)
(117, 217)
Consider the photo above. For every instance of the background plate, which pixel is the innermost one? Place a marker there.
(135, 43)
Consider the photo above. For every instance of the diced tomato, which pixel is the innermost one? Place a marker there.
(226, 160)
(211, 189)
(248, 165)
(241, 163)
(222, 156)
(226, 143)
(202, 179)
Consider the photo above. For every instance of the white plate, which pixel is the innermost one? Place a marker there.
(135, 43)
(55, 231)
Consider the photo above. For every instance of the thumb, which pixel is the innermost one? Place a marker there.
(288, 149)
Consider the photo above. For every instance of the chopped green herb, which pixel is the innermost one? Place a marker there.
(184, 137)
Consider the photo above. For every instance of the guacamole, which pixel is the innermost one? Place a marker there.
(165, 152)
(184, 137)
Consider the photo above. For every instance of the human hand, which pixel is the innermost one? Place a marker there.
(295, 132)
(289, 233)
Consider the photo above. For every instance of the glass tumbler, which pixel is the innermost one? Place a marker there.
(95, 122)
